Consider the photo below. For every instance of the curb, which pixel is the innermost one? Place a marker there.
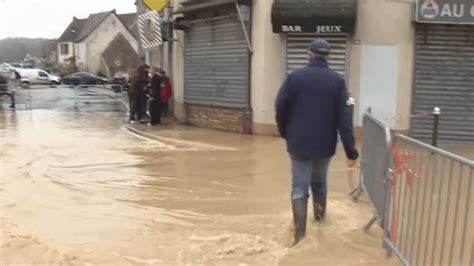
(177, 142)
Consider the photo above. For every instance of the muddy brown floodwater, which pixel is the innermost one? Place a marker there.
(78, 189)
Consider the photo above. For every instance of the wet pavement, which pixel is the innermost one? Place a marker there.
(80, 187)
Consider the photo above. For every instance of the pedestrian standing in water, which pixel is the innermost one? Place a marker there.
(139, 84)
(311, 109)
(146, 89)
(155, 89)
(132, 73)
(165, 93)
(149, 93)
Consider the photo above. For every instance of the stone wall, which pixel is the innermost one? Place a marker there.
(226, 119)
(120, 51)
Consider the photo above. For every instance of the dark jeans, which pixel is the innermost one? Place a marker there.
(306, 174)
(155, 111)
(137, 106)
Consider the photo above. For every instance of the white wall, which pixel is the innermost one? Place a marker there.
(379, 85)
(178, 71)
(100, 38)
(62, 57)
(385, 23)
(81, 56)
(268, 68)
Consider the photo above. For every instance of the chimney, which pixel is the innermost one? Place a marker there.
(74, 18)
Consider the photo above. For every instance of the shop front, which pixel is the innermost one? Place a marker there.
(303, 21)
(444, 69)
(216, 64)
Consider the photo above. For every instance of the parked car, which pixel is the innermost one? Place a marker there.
(83, 78)
(28, 65)
(6, 67)
(37, 77)
(119, 82)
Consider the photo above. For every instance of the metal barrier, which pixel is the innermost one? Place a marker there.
(375, 162)
(430, 210)
(115, 87)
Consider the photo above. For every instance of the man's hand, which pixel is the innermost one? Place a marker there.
(351, 163)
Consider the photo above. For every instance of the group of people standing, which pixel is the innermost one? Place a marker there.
(149, 93)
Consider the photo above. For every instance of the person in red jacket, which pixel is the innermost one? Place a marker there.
(165, 93)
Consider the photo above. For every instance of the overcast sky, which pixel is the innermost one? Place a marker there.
(49, 18)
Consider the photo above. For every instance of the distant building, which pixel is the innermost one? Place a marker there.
(50, 53)
(82, 45)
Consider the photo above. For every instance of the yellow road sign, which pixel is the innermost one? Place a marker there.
(156, 5)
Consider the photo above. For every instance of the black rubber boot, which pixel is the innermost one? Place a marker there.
(300, 208)
(319, 206)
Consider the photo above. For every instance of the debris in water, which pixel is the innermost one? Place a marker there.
(142, 261)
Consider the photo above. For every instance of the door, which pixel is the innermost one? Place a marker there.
(297, 51)
(42, 78)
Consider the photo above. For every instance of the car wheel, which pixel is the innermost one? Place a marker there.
(53, 84)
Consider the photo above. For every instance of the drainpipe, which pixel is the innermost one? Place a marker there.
(242, 22)
(168, 56)
(248, 112)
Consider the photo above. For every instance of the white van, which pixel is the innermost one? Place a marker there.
(37, 77)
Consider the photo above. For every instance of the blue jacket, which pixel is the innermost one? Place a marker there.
(311, 108)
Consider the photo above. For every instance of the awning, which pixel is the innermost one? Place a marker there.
(314, 16)
(197, 5)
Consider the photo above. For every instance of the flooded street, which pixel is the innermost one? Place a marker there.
(80, 188)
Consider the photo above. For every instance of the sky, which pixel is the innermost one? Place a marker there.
(49, 18)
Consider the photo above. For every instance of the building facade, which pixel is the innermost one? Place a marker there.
(398, 57)
(444, 68)
(83, 43)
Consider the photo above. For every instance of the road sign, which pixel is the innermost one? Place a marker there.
(156, 5)
(150, 30)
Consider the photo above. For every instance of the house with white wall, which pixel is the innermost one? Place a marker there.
(65, 45)
(81, 46)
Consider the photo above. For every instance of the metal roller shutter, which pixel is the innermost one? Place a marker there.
(297, 51)
(444, 77)
(216, 64)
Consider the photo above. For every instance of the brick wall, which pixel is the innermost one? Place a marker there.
(232, 120)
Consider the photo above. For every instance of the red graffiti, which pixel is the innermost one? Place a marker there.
(401, 165)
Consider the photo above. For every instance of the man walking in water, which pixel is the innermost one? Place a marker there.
(311, 109)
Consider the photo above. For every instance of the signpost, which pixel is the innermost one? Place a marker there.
(150, 29)
(313, 28)
(445, 11)
(156, 5)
